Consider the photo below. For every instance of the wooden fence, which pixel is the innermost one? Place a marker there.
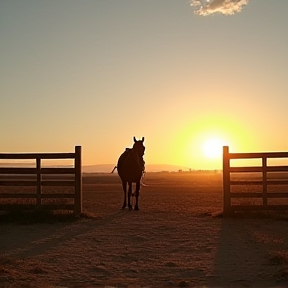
(264, 181)
(26, 176)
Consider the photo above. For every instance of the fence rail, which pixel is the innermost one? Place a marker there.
(39, 177)
(264, 169)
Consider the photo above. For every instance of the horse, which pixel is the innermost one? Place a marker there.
(130, 167)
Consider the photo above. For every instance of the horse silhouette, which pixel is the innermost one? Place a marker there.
(131, 167)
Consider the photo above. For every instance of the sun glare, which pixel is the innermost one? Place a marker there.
(212, 148)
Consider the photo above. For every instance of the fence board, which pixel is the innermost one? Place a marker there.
(257, 154)
(58, 170)
(57, 183)
(277, 195)
(279, 182)
(22, 170)
(37, 155)
(61, 195)
(243, 182)
(18, 183)
(235, 208)
(18, 195)
(259, 195)
(249, 182)
(31, 206)
(31, 195)
(246, 195)
(277, 168)
(246, 169)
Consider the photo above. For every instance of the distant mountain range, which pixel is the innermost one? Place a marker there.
(104, 168)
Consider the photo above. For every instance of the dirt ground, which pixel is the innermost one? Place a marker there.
(177, 239)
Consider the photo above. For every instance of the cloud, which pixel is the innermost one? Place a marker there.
(226, 7)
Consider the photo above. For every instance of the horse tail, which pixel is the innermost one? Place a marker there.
(142, 179)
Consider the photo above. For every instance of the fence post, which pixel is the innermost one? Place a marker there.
(38, 167)
(78, 181)
(226, 182)
(264, 179)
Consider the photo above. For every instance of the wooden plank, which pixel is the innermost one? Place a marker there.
(58, 206)
(258, 207)
(18, 183)
(58, 170)
(56, 195)
(18, 195)
(246, 195)
(36, 155)
(31, 195)
(34, 195)
(248, 182)
(259, 195)
(12, 170)
(57, 155)
(70, 177)
(258, 155)
(57, 183)
(23, 177)
(8, 207)
(246, 169)
(277, 168)
(277, 182)
(277, 195)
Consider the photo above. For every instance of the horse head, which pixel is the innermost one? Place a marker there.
(138, 147)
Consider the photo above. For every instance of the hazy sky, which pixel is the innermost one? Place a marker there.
(98, 72)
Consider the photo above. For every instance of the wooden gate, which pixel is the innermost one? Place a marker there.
(27, 176)
(265, 181)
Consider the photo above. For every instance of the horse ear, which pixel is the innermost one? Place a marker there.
(134, 139)
(142, 139)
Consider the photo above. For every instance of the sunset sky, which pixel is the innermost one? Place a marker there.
(183, 74)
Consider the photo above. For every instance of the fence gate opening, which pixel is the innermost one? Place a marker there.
(40, 176)
(259, 187)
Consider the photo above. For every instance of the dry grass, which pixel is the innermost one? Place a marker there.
(177, 239)
(278, 258)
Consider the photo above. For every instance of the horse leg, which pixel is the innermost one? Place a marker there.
(124, 185)
(137, 195)
(129, 194)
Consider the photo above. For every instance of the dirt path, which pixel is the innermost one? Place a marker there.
(170, 242)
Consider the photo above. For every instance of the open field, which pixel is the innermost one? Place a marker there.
(177, 239)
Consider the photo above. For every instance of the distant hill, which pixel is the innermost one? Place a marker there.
(106, 168)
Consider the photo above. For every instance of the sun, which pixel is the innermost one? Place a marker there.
(212, 148)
